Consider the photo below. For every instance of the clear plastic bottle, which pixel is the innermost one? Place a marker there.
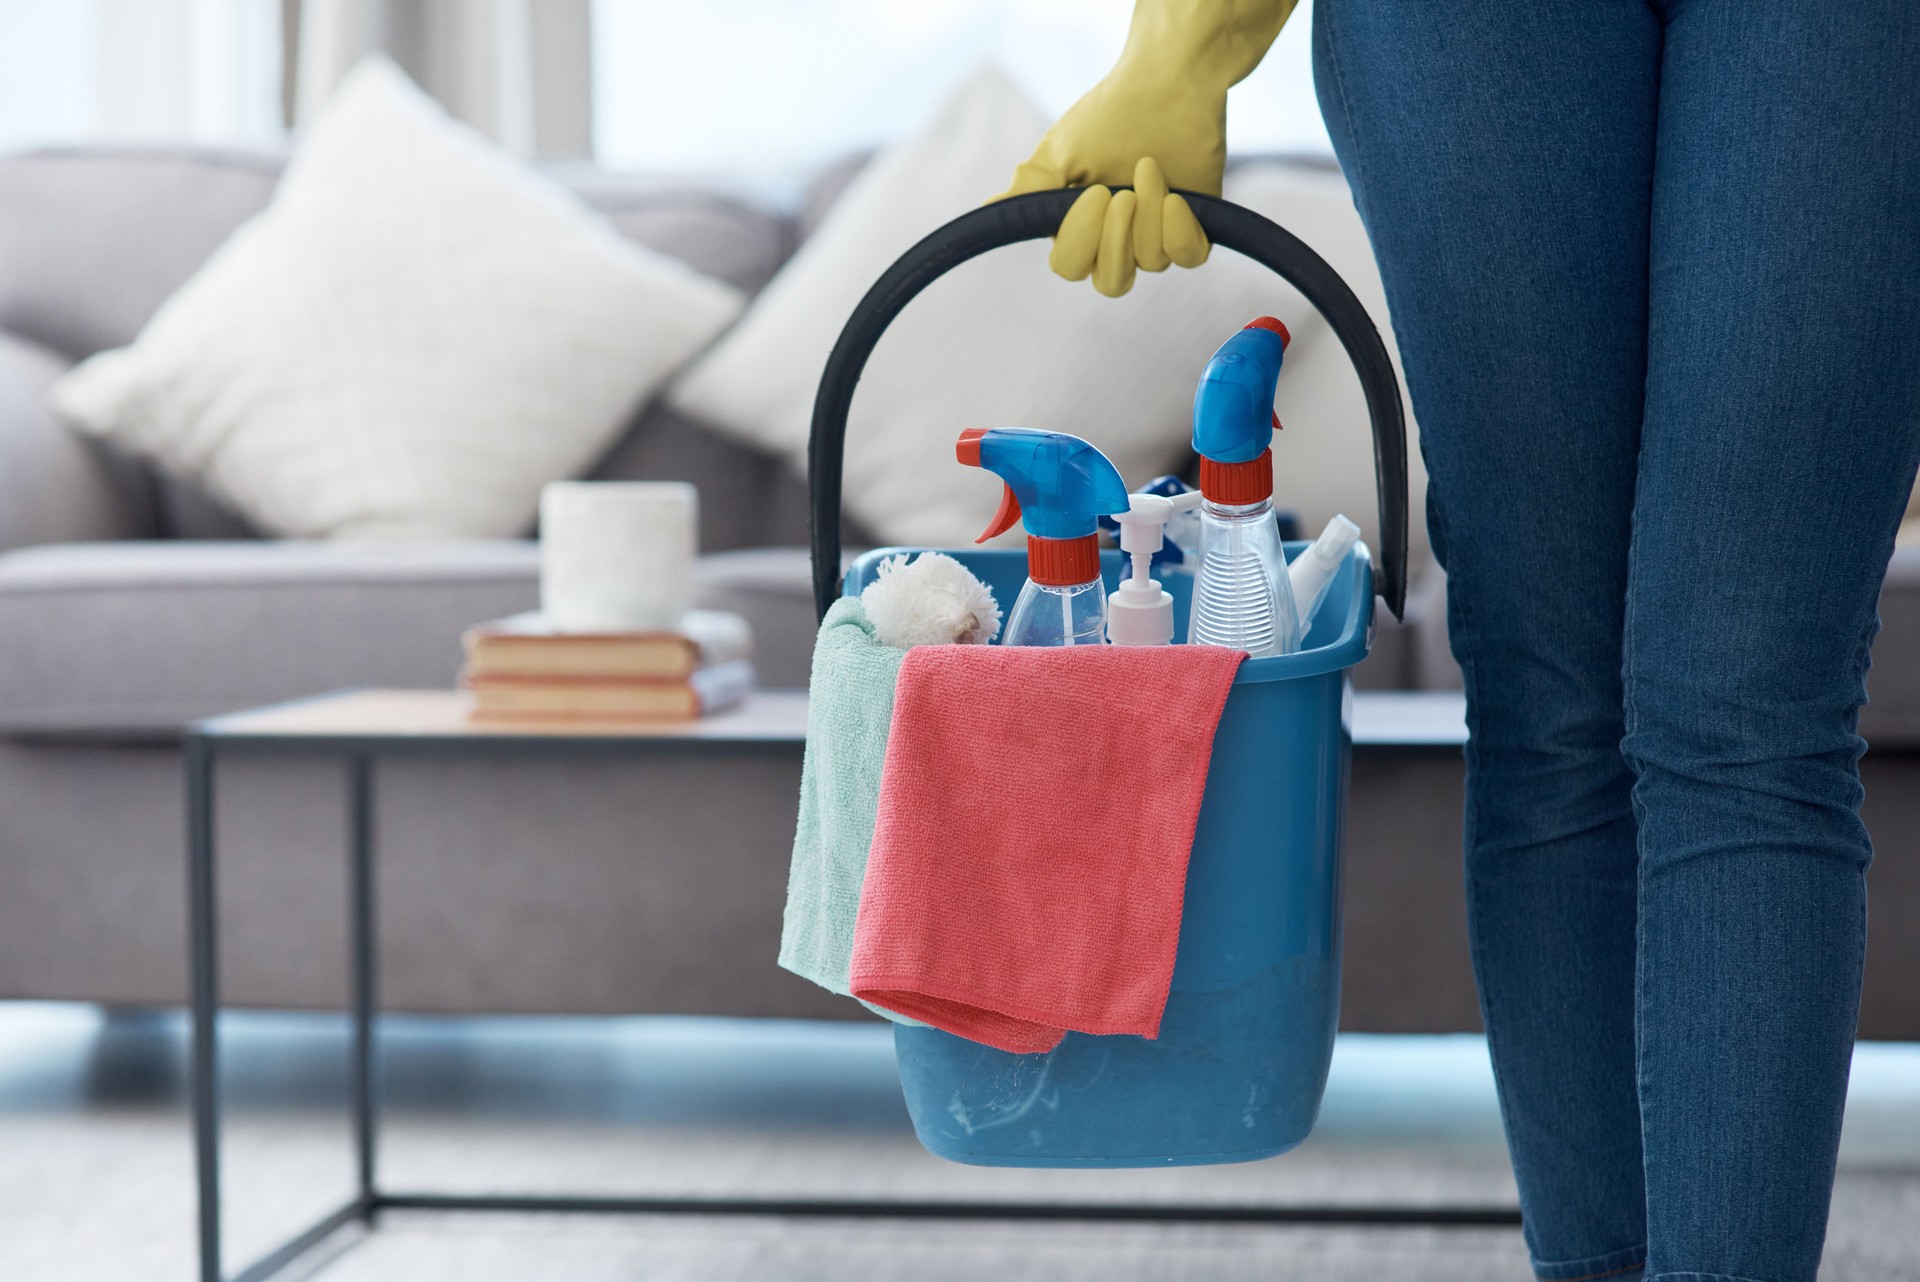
(1311, 573)
(1058, 486)
(1241, 594)
(1048, 615)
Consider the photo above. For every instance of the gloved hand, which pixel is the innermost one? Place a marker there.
(1157, 120)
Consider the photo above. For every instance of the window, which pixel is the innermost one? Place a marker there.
(767, 89)
(139, 71)
(775, 87)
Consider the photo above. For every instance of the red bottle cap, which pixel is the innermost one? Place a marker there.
(1062, 563)
(1237, 484)
(1272, 323)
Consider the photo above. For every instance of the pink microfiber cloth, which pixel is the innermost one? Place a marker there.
(1029, 858)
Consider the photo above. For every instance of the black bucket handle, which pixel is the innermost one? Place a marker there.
(1037, 216)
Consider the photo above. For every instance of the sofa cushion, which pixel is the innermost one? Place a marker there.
(143, 636)
(732, 478)
(54, 486)
(92, 240)
(773, 589)
(826, 188)
(188, 512)
(748, 499)
(414, 336)
(714, 230)
(137, 638)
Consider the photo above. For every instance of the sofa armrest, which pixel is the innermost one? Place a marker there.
(54, 486)
(133, 639)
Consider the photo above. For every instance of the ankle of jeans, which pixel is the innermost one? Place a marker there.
(1623, 1265)
(1697, 1277)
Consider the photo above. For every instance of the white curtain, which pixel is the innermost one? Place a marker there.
(520, 71)
(139, 71)
(779, 87)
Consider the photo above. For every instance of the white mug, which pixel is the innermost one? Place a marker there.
(617, 556)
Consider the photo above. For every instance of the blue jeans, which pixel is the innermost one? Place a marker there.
(1654, 266)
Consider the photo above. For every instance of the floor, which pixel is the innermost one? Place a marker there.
(95, 1177)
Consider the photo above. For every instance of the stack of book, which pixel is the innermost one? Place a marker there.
(520, 669)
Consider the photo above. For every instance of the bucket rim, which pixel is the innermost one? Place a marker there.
(1354, 642)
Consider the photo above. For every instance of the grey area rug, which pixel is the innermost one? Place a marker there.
(1869, 1242)
(108, 1195)
(95, 1173)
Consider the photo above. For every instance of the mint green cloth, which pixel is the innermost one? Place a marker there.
(850, 704)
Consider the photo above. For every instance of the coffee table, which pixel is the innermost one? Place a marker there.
(359, 727)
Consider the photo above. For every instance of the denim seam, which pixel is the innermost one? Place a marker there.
(1862, 665)
(1346, 103)
(1862, 662)
(1629, 722)
(1469, 669)
(1635, 1267)
(1607, 1264)
(1470, 674)
(1629, 719)
(1471, 679)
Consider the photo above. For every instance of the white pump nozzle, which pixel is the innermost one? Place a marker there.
(1141, 612)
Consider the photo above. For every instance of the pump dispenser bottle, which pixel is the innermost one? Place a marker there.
(1241, 594)
(1141, 612)
(1060, 486)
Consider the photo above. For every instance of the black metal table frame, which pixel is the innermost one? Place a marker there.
(205, 741)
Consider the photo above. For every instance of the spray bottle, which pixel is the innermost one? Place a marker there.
(1311, 573)
(1241, 594)
(1060, 486)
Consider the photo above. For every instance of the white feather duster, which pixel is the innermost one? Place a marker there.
(932, 600)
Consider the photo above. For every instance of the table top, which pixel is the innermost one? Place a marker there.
(1409, 718)
(399, 719)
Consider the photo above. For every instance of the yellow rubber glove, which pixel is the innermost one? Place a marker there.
(1158, 120)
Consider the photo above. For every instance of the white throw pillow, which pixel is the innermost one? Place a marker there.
(414, 337)
(1001, 340)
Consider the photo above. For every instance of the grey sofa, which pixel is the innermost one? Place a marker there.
(130, 603)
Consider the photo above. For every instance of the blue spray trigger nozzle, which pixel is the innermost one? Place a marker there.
(1059, 485)
(1233, 418)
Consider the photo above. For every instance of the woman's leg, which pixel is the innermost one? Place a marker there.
(1502, 155)
(1781, 433)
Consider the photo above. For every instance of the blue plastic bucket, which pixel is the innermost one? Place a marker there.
(1238, 1069)
(1241, 1060)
